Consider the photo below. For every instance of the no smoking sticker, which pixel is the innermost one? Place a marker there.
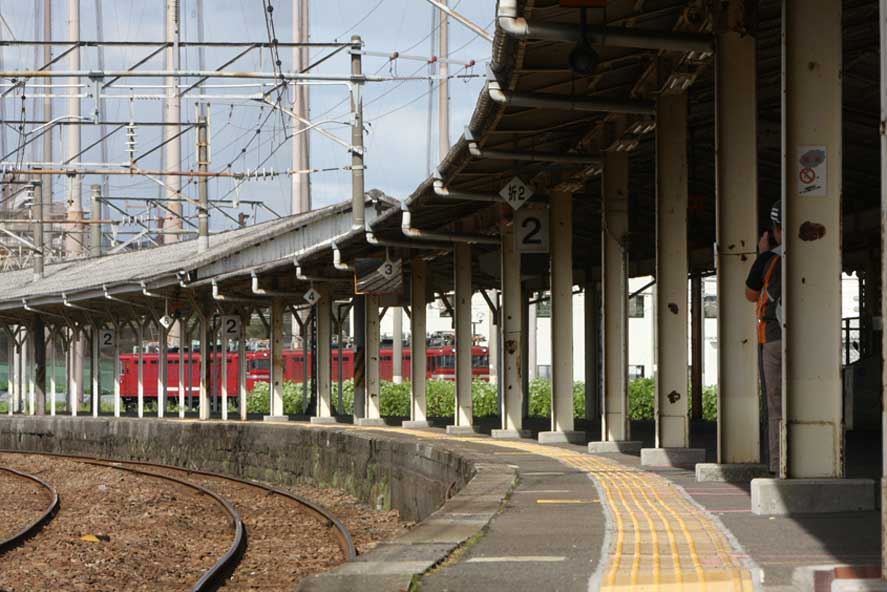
(812, 171)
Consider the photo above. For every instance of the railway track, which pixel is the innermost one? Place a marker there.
(242, 563)
(35, 525)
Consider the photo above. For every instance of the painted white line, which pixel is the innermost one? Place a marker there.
(543, 491)
(518, 558)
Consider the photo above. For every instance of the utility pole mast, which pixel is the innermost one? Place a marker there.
(172, 118)
(46, 185)
(444, 88)
(74, 244)
(429, 152)
(301, 198)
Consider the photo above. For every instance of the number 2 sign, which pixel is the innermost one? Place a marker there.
(231, 326)
(531, 230)
(516, 193)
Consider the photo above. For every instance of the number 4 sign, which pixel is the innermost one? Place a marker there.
(516, 193)
(531, 230)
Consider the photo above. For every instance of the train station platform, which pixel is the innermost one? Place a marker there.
(526, 516)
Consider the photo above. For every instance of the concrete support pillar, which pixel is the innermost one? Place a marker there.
(397, 345)
(419, 332)
(117, 371)
(11, 388)
(494, 336)
(561, 232)
(697, 336)
(373, 336)
(812, 430)
(614, 265)
(883, 285)
(324, 337)
(463, 417)
(223, 371)
(184, 341)
(71, 373)
(162, 371)
(593, 347)
(95, 371)
(53, 385)
(242, 368)
(528, 320)
(203, 400)
(29, 371)
(531, 325)
(360, 399)
(276, 399)
(671, 331)
(140, 342)
(39, 337)
(510, 321)
(737, 236)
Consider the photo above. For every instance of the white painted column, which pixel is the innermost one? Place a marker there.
(615, 431)
(494, 335)
(883, 54)
(812, 430)
(532, 365)
(672, 333)
(73, 384)
(224, 372)
(373, 387)
(561, 232)
(29, 368)
(162, 371)
(510, 317)
(813, 438)
(462, 304)
(96, 370)
(276, 411)
(737, 236)
(324, 337)
(397, 346)
(203, 400)
(53, 386)
(242, 365)
(184, 341)
(11, 387)
(117, 368)
(418, 332)
(140, 341)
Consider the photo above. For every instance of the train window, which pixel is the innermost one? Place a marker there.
(386, 358)
(261, 364)
(446, 361)
(482, 361)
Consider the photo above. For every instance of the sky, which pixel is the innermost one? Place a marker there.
(396, 112)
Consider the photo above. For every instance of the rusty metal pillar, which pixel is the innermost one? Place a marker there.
(812, 428)
(614, 260)
(736, 155)
(561, 232)
(418, 332)
(463, 418)
(510, 321)
(671, 331)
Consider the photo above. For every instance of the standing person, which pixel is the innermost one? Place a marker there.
(764, 287)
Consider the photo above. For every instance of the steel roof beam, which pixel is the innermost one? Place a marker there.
(518, 27)
(561, 103)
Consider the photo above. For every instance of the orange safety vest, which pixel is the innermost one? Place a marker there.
(764, 300)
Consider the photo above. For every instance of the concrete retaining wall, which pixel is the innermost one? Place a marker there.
(386, 471)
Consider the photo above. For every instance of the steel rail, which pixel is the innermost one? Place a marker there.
(36, 525)
(215, 575)
(346, 543)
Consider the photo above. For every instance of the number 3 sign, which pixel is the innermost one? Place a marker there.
(531, 230)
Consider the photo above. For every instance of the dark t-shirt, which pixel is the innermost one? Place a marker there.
(755, 281)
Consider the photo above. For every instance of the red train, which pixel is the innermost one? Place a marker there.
(441, 365)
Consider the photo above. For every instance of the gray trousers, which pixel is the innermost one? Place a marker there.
(771, 367)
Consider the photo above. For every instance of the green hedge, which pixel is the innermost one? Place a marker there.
(442, 399)
(642, 391)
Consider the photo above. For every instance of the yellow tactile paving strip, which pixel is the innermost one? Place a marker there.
(660, 540)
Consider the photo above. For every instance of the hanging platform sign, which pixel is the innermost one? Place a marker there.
(516, 193)
(378, 276)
